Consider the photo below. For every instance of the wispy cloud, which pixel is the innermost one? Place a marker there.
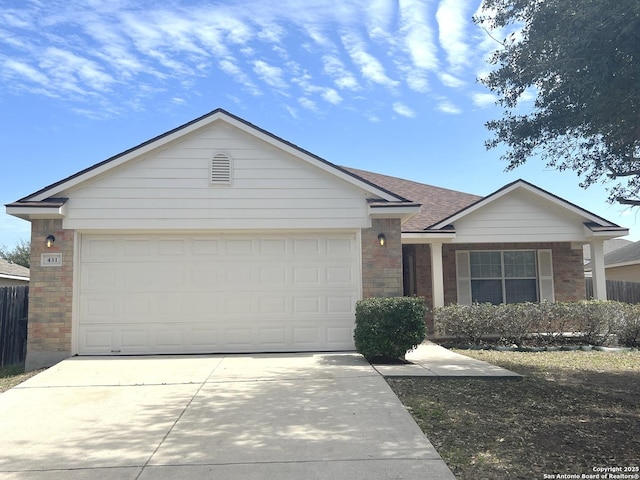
(334, 67)
(449, 80)
(270, 74)
(319, 52)
(483, 99)
(446, 106)
(418, 35)
(370, 67)
(402, 109)
(454, 18)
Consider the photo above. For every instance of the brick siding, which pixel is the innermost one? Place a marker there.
(382, 265)
(50, 293)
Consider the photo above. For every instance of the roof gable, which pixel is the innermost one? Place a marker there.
(565, 207)
(218, 115)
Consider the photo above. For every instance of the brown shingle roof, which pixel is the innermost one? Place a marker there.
(437, 203)
(13, 269)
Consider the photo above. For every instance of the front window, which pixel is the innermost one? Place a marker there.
(503, 276)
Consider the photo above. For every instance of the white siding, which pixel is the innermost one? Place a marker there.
(171, 188)
(519, 217)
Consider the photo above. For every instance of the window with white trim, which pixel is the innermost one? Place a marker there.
(220, 169)
(506, 276)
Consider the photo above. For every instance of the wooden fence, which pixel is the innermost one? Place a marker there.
(14, 302)
(628, 292)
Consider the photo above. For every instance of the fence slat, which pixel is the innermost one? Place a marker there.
(618, 290)
(14, 303)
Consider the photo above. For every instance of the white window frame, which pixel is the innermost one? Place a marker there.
(544, 274)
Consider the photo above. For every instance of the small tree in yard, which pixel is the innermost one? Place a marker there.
(19, 254)
(389, 327)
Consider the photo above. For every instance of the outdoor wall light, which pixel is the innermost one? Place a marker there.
(49, 241)
(382, 239)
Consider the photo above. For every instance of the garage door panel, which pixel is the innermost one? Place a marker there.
(217, 293)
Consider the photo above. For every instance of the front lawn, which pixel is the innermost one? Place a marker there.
(573, 412)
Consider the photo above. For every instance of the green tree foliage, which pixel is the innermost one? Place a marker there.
(582, 60)
(18, 254)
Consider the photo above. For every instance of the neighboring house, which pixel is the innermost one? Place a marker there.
(219, 236)
(623, 263)
(12, 274)
(608, 247)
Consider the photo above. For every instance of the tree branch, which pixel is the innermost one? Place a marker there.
(628, 201)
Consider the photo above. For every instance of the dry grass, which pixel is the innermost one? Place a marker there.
(14, 375)
(572, 412)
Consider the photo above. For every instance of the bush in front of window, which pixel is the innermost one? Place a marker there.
(466, 323)
(389, 327)
(591, 322)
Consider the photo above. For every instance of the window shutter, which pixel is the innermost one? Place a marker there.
(463, 277)
(220, 169)
(545, 276)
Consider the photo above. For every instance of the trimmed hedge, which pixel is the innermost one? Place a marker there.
(389, 327)
(592, 322)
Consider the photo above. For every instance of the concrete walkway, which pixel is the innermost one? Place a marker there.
(298, 416)
(431, 360)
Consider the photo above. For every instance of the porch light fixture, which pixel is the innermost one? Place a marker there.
(49, 241)
(382, 239)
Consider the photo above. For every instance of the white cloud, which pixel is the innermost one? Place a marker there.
(25, 71)
(453, 18)
(418, 35)
(331, 96)
(270, 74)
(445, 106)
(449, 80)
(370, 67)
(402, 109)
(483, 99)
(335, 69)
(230, 68)
(308, 104)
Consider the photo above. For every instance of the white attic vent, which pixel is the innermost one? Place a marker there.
(220, 173)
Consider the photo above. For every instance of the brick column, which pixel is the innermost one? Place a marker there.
(50, 296)
(382, 265)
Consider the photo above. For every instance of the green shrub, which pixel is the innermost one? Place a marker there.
(389, 327)
(597, 321)
(465, 323)
(628, 332)
(593, 322)
(514, 322)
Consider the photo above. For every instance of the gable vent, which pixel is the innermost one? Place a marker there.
(220, 169)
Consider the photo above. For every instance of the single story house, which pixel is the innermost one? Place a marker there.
(219, 236)
(12, 274)
(623, 263)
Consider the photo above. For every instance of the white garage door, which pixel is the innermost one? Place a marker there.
(217, 293)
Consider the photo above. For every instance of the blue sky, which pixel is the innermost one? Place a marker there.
(382, 85)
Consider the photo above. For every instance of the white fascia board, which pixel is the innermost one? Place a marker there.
(431, 237)
(404, 213)
(615, 232)
(32, 213)
(13, 277)
(623, 264)
(519, 184)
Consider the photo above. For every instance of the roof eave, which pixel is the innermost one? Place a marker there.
(403, 211)
(30, 210)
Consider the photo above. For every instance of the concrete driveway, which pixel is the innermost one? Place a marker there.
(289, 416)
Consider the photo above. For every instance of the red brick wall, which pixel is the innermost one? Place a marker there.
(382, 265)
